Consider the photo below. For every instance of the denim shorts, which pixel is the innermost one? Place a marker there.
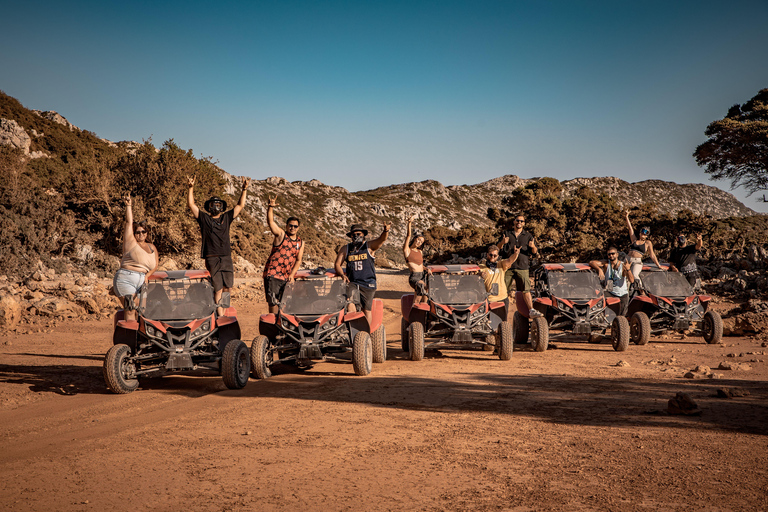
(127, 282)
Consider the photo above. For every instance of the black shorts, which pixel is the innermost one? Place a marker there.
(273, 289)
(420, 289)
(361, 295)
(221, 270)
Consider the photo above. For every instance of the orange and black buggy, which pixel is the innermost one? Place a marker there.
(312, 325)
(456, 314)
(177, 330)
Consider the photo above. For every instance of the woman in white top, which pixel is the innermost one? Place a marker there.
(139, 259)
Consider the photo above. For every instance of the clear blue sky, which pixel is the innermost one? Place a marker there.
(362, 94)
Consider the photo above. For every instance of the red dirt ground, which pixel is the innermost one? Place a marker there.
(565, 429)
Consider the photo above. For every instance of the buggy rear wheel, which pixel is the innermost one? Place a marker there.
(260, 353)
(640, 328)
(362, 354)
(404, 334)
(520, 328)
(379, 344)
(118, 371)
(620, 333)
(712, 327)
(416, 341)
(235, 364)
(504, 340)
(539, 334)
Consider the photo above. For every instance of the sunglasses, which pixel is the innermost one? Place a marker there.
(520, 220)
(493, 255)
(613, 254)
(141, 232)
(293, 225)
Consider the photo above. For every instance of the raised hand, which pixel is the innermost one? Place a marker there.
(191, 181)
(272, 201)
(531, 244)
(387, 226)
(127, 200)
(246, 182)
(506, 240)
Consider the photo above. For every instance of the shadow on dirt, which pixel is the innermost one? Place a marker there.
(59, 379)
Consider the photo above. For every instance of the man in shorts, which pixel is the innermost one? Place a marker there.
(214, 229)
(617, 277)
(284, 260)
(683, 259)
(360, 271)
(519, 272)
(494, 271)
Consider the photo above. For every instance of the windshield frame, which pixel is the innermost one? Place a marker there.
(456, 292)
(587, 278)
(654, 279)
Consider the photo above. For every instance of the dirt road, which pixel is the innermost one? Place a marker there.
(565, 429)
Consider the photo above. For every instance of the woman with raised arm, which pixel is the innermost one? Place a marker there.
(139, 260)
(639, 247)
(412, 246)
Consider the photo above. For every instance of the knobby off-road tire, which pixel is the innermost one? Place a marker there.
(620, 334)
(539, 334)
(379, 343)
(235, 365)
(490, 343)
(416, 341)
(362, 354)
(404, 334)
(259, 353)
(519, 328)
(640, 328)
(712, 327)
(116, 368)
(504, 339)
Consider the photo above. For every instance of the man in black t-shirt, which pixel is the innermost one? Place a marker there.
(519, 272)
(214, 230)
(683, 259)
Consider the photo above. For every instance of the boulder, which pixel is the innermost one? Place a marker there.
(10, 312)
(682, 403)
(11, 134)
(58, 306)
(244, 267)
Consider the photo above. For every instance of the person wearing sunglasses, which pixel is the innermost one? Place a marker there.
(511, 240)
(139, 260)
(216, 249)
(285, 258)
(617, 277)
(639, 247)
(683, 259)
(413, 243)
(494, 271)
(359, 271)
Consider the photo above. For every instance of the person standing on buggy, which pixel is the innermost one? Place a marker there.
(214, 230)
(412, 251)
(139, 261)
(683, 259)
(360, 271)
(510, 242)
(617, 277)
(494, 272)
(639, 247)
(284, 260)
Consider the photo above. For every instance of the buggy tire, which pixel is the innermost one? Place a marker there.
(640, 328)
(115, 367)
(490, 343)
(620, 333)
(595, 337)
(416, 341)
(712, 327)
(539, 334)
(379, 344)
(235, 364)
(404, 334)
(520, 328)
(362, 354)
(259, 352)
(504, 340)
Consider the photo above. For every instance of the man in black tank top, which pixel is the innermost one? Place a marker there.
(359, 270)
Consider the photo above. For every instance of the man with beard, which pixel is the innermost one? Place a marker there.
(214, 229)
(360, 271)
(494, 272)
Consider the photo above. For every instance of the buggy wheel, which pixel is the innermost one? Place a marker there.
(404, 334)
(118, 371)
(640, 328)
(379, 344)
(416, 341)
(520, 328)
(235, 364)
(260, 357)
(362, 355)
(620, 333)
(490, 343)
(595, 337)
(504, 339)
(539, 334)
(712, 327)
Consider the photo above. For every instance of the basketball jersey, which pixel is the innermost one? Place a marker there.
(360, 266)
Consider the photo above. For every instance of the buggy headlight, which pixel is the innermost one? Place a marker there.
(597, 306)
(441, 312)
(480, 311)
(288, 326)
(149, 329)
(202, 329)
(561, 305)
(694, 303)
